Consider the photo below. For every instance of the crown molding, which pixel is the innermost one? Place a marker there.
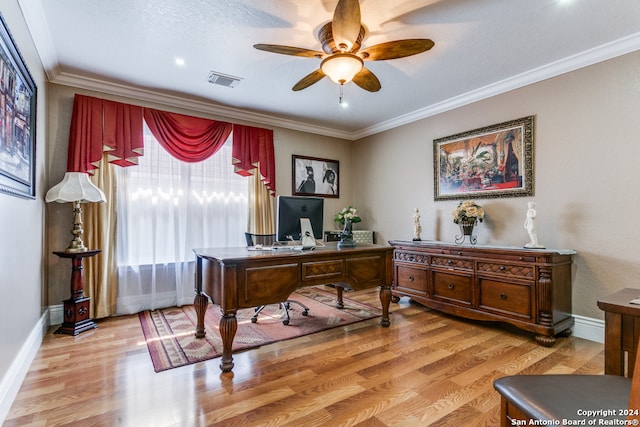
(583, 59)
(140, 94)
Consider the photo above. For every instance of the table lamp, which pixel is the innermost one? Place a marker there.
(76, 188)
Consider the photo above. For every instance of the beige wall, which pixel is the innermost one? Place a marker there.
(286, 142)
(22, 223)
(586, 150)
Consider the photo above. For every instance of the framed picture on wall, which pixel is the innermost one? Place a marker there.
(312, 176)
(493, 161)
(17, 120)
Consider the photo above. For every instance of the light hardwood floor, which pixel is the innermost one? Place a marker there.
(427, 369)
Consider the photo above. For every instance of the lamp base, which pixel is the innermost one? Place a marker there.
(74, 247)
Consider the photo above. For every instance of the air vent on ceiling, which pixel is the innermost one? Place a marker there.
(223, 79)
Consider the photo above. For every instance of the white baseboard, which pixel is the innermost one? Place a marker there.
(10, 384)
(588, 328)
(56, 314)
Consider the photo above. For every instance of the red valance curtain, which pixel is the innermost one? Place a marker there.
(99, 125)
(252, 149)
(187, 138)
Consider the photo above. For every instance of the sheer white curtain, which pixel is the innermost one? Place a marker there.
(166, 208)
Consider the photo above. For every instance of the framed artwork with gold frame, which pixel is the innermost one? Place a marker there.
(493, 161)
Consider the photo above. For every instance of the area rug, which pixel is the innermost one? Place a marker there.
(169, 332)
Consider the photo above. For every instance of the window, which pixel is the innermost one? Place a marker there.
(166, 208)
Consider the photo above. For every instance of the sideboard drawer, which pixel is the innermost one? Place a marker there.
(511, 299)
(518, 270)
(410, 257)
(411, 279)
(452, 262)
(452, 287)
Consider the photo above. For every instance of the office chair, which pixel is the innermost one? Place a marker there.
(268, 240)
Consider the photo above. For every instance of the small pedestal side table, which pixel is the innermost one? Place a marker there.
(621, 331)
(76, 308)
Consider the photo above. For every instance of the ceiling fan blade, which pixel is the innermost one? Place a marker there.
(346, 23)
(308, 80)
(396, 49)
(367, 80)
(289, 50)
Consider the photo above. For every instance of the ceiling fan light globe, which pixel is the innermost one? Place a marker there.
(341, 67)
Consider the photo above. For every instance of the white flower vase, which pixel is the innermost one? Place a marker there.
(466, 229)
(346, 237)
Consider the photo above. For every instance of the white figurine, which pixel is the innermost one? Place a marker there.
(530, 226)
(417, 228)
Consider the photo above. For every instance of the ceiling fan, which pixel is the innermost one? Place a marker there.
(342, 59)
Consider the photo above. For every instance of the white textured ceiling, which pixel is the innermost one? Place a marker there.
(482, 47)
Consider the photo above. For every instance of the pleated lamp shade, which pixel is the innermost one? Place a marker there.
(75, 187)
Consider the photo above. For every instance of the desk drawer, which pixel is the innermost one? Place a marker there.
(452, 287)
(330, 270)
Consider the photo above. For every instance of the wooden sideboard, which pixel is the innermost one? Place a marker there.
(527, 288)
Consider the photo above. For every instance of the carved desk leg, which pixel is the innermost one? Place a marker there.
(228, 328)
(385, 299)
(200, 303)
(339, 300)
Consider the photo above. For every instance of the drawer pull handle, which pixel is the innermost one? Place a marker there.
(450, 286)
(411, 278)
(459, 253)
(450, 261)
(503, 268)
(411, 259)
(503, 296)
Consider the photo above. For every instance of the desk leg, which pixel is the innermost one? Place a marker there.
(385, 300)
(339, 300)
(613, 348)
(200, 303)
(228, 328)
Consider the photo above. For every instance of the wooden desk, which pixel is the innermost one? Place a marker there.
(237, 278)
(621, 331)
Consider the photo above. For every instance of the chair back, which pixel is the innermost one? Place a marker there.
(260, 239)
(634, 398)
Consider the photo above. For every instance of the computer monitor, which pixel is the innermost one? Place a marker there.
(289, 211)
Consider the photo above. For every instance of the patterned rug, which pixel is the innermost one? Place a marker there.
(169, 332)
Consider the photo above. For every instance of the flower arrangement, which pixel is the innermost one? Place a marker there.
(467, 212)
(349, 213)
